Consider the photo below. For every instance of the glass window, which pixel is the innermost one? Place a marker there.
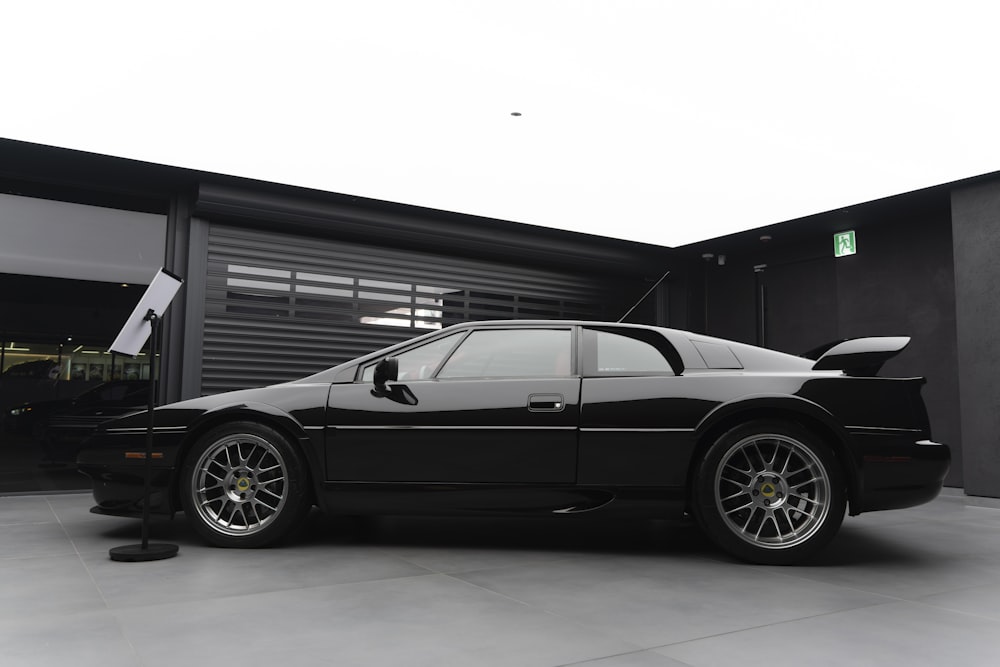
(345, 296)
(258, 284)
(618, 353)
(512, 353)
(421, 362)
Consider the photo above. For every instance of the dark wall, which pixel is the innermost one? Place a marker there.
(730, 306)
(901, 282)
(779, 294)
(975, 218)
(800, 304)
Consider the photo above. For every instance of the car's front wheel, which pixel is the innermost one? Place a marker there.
(244, 485)
(770, 492)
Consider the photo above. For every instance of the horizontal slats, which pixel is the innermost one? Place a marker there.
(279, 307)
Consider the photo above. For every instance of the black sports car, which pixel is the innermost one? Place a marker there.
(766, 450)
(111, 398)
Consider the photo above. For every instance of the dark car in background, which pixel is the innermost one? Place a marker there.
(60, 425)
(32, 417)
(66, 430)
(767, 451)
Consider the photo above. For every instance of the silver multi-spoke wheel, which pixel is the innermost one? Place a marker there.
(245, 485)
(772, 491)
(239, 484)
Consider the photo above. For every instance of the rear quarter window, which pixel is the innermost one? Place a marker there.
(626, 352)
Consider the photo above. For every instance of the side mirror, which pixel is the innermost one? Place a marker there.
(386, 370)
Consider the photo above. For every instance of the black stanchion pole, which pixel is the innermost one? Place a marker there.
(146, 551)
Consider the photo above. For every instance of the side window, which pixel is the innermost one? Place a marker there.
(512, 353)
(617, 353)
(419, 363)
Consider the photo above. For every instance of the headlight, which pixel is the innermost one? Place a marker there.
(19, 411)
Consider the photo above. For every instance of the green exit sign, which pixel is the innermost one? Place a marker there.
(844, 244)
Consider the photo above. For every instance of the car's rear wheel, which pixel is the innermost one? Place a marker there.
(770, 492)
(244, 485)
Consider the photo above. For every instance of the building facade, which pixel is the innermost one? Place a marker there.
(281, 282)
(922, 267)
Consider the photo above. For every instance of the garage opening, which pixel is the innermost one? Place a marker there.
(57, 380)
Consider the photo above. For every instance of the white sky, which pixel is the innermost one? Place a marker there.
(651, 120)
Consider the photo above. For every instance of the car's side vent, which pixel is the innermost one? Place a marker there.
(716, 355)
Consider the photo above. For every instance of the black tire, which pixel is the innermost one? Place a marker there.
(770, 492)
(244, 485)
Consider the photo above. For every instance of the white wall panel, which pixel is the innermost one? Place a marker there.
(41, 237)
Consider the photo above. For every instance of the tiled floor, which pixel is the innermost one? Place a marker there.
(913, 587)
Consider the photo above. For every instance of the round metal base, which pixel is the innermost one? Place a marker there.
(134, 553)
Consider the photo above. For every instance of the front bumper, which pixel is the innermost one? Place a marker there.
(120, 491)
(116, 464)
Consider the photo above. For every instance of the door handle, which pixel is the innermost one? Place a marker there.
(546, 403)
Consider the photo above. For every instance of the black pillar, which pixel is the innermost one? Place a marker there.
(976, 247)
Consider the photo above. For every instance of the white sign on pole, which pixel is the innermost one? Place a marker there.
(137, 327)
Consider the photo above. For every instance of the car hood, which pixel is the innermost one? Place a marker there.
(282, 399)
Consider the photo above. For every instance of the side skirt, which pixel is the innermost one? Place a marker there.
(365, 498)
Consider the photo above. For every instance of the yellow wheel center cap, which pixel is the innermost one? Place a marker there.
(243, 484)
(767, 490)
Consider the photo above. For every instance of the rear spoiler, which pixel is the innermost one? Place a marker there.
(861, 356)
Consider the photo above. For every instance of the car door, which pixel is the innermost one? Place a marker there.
(492, 405)
(638, 417)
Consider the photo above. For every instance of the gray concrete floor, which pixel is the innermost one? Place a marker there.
(911, 587)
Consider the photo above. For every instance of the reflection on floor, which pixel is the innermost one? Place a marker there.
(913, 587)
(26, 466)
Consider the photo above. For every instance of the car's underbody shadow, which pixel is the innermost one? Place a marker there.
(588, 534)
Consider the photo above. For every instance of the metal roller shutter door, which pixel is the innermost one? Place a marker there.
(279, 307)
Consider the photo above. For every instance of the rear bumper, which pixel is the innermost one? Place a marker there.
(898, 472)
